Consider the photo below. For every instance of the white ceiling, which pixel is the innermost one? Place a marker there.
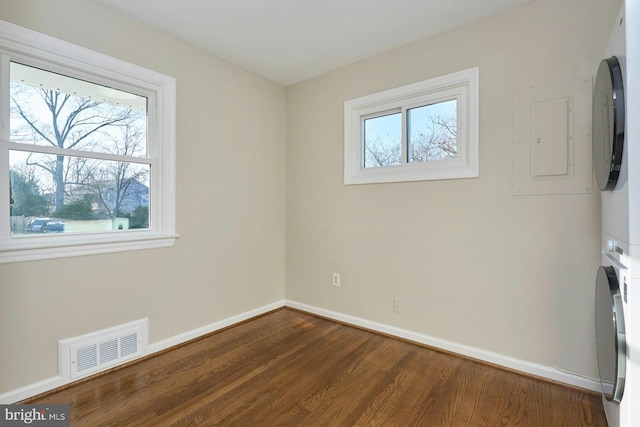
(288, 41)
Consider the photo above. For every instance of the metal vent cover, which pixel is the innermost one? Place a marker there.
(101, 350)
(128, 345)
(109, 351)
(86, 358)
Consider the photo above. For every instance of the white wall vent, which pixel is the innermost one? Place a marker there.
(101, 350)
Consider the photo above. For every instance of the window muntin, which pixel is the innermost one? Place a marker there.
(445, 147)
(149, 100)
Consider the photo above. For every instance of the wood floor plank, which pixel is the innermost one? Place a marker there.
(289, 368)
(411, 399)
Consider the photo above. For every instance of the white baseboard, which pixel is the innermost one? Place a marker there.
(59, 381)
(547, 372)
(27, 391)
(195, 333)
(543, 371)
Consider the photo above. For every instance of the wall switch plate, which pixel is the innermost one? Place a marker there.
(397, 305)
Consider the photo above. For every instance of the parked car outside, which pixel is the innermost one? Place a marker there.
(45, 225)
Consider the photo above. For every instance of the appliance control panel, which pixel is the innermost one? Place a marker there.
(615, 251)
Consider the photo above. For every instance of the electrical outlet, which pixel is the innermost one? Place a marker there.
(397, 305)
(336, 280)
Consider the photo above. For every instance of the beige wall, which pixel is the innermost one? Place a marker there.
(229, 258)
(474, 264)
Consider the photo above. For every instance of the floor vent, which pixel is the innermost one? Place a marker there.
(101, 350)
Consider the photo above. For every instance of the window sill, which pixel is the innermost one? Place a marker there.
(434, 170)
(40, 248)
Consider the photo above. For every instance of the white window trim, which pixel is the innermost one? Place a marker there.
(462, 85)
(57, 55)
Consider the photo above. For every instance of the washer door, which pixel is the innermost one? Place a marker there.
(608, 123)
(610, 334)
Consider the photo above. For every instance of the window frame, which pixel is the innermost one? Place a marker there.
(462, 86)
(31, 48)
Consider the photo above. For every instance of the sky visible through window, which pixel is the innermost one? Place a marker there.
(431, 133)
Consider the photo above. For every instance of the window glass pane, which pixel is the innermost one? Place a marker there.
(55, 194)
(432, 132)
(53, 110)
(383, 140)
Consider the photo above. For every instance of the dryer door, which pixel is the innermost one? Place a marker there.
(610, 334)
(608, 123)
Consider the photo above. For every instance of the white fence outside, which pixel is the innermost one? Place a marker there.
(19, 225)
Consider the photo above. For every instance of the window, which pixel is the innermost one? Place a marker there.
(424, 131)
(87, 145)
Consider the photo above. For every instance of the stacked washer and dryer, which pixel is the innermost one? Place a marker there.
(616, 156)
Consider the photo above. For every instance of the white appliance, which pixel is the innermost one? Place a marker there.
(616, 147)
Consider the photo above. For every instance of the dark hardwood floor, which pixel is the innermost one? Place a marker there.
(292, 369)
